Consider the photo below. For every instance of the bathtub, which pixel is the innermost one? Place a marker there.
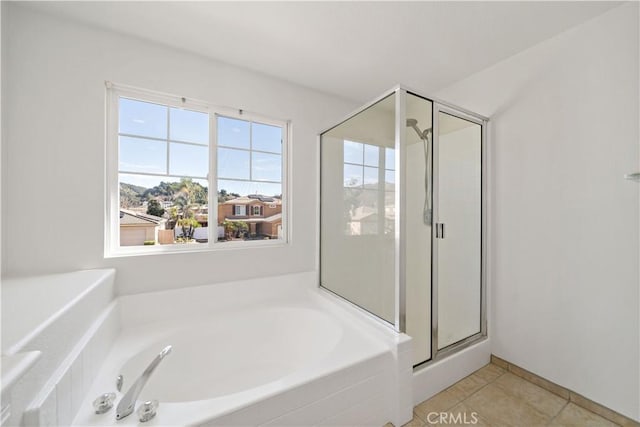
(48, 327)
(276, 351)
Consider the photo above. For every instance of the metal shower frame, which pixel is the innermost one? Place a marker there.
(399, 325)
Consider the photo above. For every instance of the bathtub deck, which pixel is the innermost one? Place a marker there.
(351, 384)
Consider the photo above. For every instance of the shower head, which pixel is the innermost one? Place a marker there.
(413, 123)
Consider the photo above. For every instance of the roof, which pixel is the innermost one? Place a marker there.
(136, 218)
(272, 218)
(245, 200)
(261, 197)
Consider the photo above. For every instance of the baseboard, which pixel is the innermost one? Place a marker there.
(566, 393)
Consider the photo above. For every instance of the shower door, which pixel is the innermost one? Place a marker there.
(401, 218)
(458, 286)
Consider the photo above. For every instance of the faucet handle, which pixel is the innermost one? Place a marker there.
(148, 410)
(104, 402)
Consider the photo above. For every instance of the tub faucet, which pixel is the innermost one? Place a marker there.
(128, 402)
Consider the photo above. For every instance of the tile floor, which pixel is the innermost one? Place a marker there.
(492, 396)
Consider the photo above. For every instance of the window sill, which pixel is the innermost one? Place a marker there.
(187, 248)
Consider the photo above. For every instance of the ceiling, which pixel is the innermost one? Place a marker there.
(355, 50)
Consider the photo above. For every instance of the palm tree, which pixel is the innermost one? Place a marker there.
(186, 200)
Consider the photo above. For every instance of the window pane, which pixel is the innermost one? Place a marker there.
(233, 133)
(361, 211)
(189, 126)
(132, 188)
(244, 188)
(371, 155)
(266, 138)
(188, 160)
(233, 163)
(142, 155)
(390, 158)
(370, 177)
(266, 167)
(390, 179)
(142, 118)
(144, 181)
(352, 175)
(135, 189)
(353, 152)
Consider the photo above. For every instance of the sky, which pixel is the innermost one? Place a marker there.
(362, 163)
(159, 140)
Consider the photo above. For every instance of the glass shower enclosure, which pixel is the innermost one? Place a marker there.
(402, 218)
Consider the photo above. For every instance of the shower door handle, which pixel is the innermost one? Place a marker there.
(439, 230)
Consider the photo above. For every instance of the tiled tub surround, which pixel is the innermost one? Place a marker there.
(273, 351)
(69, 320)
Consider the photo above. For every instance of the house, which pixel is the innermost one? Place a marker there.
(262, 214)
(137, 228)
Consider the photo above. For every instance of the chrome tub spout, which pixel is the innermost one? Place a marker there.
(128, 402)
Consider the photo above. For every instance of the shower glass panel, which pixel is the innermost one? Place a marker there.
(402, 219)
(459, 239)
(358, 209)
(418, 210)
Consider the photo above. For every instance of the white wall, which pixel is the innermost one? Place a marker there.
(565, 237)
(53, 197)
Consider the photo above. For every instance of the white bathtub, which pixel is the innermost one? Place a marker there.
(263, 352)
(30, 305)
(48, 327)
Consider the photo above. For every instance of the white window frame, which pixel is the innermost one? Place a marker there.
(253, 210)
(112, 246)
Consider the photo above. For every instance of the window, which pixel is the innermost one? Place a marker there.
(369, 185)
(169, 159)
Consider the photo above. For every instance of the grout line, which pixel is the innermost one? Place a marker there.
(559, 412)
(464, 400)
(554, 388)
(520, 399)
(523, 400)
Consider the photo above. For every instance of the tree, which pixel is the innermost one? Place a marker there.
(130, 195)
(188, 226)
(235, 228)
(224, 195)
(154, 208)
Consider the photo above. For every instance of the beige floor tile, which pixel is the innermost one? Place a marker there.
(544, 401)
(490, 372)
(415, 422)
(459, 415)
(500, 408)
(438, 403)
(573, 415)
(467, 386)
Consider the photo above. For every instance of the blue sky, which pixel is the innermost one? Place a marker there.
(362, 162)
(156, 139)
